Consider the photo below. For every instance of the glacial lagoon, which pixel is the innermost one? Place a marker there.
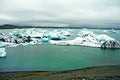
(47, 57)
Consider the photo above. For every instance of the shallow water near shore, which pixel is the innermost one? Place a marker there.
(46, 57)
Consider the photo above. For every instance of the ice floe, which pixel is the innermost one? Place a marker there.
(2, 50)
(85, 38)
(111, 44)
(34, 36)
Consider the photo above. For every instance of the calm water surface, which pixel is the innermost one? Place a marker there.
(48, 57)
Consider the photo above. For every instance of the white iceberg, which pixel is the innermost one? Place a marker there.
(65, 33)
(2, 45)
(2, 50)
(112, 44)
(14, 33)
(34, 33)
(55, 36)
(45, 39)
(59, 34)
(8, 44)
(35, 41)
(103, 37)
(84, 33)
(3, 37)
(86, 38)
(67, 42)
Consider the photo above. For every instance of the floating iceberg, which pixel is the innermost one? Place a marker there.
(103, 37)
(45, 39)
(22, 37)
(2, 50)
(8, 44)
(111, 44)
(14, 33)
(56, 37)
(3, 37)
(2, 45)
(36, 35)
(84, 33)
(30, 36)
(59, 34)
(86, 38)
(65, 33)
(60, 42)
(35, 41)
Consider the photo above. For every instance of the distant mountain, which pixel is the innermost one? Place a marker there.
(11, 26)
(8, 26)
(73, 26)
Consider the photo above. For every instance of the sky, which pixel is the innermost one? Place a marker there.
(62, 11)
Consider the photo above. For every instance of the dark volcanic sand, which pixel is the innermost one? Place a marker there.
(92, 73)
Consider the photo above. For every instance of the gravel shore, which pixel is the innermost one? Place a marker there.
(91, 73)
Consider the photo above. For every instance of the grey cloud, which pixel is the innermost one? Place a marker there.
(59, 10)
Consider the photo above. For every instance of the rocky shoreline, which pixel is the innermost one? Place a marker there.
(91, 73)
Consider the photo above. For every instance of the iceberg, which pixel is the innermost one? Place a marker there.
(104, 37)
(84, 33)
(111, 44)
(35, 41)
(64, 43)
(45, 39)
(56, 37)
(85, 38)
(32, 36)
(14, 33)
(16, 37)
(34, 33)
(37, 36)
(65, 33)
(3, 37)
(22, 37)
(8, 44)
(2, 45)
(2, 50)
(59, 34)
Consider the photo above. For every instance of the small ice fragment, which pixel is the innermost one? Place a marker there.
(2, 50)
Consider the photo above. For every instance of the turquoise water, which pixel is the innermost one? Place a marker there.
(48, 57)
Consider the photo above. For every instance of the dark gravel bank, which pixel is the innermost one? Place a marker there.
(91, 73)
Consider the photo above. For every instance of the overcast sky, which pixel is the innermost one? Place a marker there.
(67, 11)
